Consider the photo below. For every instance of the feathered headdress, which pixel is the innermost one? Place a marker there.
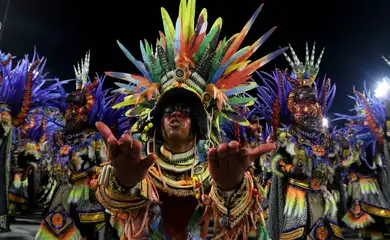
(25, 87)
(81, 71)
(190, 63)
(304, 74)
(274, 95)
(102, 110)
(83, 93)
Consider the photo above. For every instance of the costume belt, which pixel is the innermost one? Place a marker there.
(311, 185)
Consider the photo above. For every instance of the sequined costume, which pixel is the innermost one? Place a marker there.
(302, 205)
(369, 196)
(17, 99)
(27, 159)
(75, 152)
(189, 67)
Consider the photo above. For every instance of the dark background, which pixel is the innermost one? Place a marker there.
(355, 33)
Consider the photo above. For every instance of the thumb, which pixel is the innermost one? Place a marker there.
(263, 148)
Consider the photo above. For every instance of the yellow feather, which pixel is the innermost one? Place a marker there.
(168, 22)
(236, 66)
(191, 30)
(127, 101)
(183, 18)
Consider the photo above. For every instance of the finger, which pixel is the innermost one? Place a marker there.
(113, 149)
(147, 162)
(135, 151)
(233, 147)
(126, 143)
(222, 151)
(263, 148)
(104, 131)
(212, 155)
(244, 156)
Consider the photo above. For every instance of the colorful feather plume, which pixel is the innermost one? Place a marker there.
(188, 56)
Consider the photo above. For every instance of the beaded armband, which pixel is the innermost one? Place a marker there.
(115, 198)
(239, 213)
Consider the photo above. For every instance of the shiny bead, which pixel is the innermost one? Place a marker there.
(197, 185)
(255, 191)
(143, 137)
(150, 125)
(146, 128)
(195, 179)
(197, 196)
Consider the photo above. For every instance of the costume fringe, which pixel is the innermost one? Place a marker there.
(45, 234)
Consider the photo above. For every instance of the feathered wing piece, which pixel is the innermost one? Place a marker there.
(368, 109)
(188, 57)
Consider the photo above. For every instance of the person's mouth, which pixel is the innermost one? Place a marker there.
(175, 123)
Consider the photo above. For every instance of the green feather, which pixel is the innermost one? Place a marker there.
(217, 61)
(247, 101)
(215, 29)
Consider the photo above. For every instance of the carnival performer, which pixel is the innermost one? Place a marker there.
(369, 196)
(47, 102)
(17, 99)
(301, 203)
(27, 160)
(188, 85)
(75, 152)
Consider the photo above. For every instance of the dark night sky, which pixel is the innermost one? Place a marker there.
(355, 33)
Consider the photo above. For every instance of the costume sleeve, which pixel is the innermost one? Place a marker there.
(129, 208)
(235, 213)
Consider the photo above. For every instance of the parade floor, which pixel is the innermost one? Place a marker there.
(21, 231)
(27, 231)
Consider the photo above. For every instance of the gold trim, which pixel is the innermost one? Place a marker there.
(91, 217)
(376, 211)
(336, 230)
(297, 233)
(77, 176)
(298, 183)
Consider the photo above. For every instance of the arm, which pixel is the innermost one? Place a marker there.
(125, 204)
(237, 209)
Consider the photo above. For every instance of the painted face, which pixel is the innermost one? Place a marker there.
(74, 120)
(176, 122)
(307, 113)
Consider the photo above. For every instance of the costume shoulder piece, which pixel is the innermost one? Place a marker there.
(190, 63)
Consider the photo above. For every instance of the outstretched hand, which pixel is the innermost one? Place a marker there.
(125, 157)
(228, 163)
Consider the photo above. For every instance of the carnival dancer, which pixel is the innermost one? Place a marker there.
(27, 161)
(47, 102)
(16, 100)
(188, 85)
(301, 203)
(369, 196)
(76, 151)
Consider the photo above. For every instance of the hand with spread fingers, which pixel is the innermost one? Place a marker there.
(228, 162)
(125, 156)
